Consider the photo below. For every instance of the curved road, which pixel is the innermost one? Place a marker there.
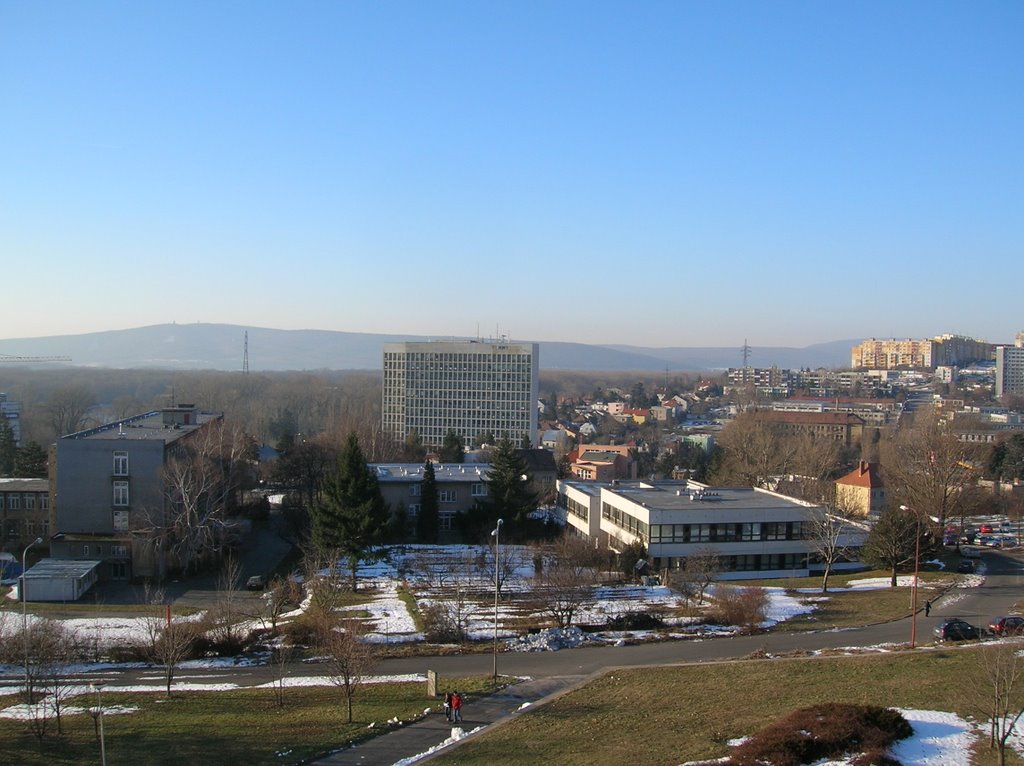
(554, 672)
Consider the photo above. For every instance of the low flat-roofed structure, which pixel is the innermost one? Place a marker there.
(60, 579)
(756, 533)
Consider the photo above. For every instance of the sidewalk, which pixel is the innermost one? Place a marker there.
(432, 730)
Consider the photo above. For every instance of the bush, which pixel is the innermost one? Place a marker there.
(826, 731)
(440, 624)
(635, 621)
(745, 608)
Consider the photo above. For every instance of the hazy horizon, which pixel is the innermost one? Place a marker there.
(670, 174)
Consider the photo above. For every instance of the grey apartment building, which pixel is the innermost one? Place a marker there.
(111, 491)
(470, 387)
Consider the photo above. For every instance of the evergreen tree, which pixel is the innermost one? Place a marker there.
(426, 521)
(8, 449)
(30, 462)
(509, 496)
(453, 450)
(351, 518)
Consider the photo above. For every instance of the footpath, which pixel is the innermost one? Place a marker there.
(426, 735)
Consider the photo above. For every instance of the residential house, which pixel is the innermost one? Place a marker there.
(862, 491)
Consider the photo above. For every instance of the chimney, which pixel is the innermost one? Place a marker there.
(864, 467)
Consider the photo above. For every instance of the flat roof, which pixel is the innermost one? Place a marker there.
(149, 426)
(413, 472)
(61, 569)
(24, 485)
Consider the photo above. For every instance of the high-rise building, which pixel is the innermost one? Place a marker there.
(469, 387)
(948, 350)
(1010, 367)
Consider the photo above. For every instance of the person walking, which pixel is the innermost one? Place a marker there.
(927, 608)
(448, 706)
(456, 707)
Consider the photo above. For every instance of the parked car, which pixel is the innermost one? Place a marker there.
(256, 582)
(986, 529)
(955, 629)
(966, 566)
(1011, 625)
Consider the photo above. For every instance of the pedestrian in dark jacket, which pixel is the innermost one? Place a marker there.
(448, 706)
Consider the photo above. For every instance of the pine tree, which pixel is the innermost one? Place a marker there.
(30, 462)
(453, 450)
(351, 518)
(8, 449)
(509, 492)
(426, 521)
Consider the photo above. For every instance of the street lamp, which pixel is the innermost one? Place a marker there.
(917, 568)
(97, 685)
(496, 534)
(24, 607)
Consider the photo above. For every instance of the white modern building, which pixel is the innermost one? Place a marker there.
(469, 387)
(1010, 368)
(756, 533)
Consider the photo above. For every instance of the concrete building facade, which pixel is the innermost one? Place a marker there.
(470, 387)
(111, 491)
(1010, 368)
(756, 533)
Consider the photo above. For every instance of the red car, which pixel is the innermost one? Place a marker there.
(1011, 625)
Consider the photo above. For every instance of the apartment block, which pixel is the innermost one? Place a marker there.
(470, 387)
(1010, 368)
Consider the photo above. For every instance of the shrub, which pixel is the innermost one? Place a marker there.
(745, 608)
(635, 621)
(440, 624)
(826, 731)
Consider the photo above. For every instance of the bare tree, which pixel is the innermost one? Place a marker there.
(224, 621)
(282, 594)
(168, 642)
(348, 659)
(68, 407)
(753, 451)
(566, 582)
(928, 468)
(700, 569)
(1001, 699)
(54, 650)
(200, 477)
(279, 659)
(828, 531)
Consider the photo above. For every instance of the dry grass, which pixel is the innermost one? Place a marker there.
(672, 715)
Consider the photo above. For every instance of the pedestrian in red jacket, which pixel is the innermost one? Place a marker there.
(456, 707)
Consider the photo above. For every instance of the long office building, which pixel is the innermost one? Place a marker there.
(470, 387)
(940, 351)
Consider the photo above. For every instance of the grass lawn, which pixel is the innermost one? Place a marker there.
(242, 727)
(672, 715)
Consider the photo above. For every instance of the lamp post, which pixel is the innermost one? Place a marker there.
(917, 569)
(496, 534)
(24, 608)
(98, 685)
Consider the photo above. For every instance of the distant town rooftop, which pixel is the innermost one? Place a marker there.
(413, 472)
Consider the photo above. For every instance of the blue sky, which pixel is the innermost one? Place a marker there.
(667, 174)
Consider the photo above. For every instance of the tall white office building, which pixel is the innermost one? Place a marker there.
(1010, 367)
(470, 387)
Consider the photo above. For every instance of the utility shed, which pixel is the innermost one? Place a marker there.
(60, 579)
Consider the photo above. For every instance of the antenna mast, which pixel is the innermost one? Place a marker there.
(245, 354)
(746, 354)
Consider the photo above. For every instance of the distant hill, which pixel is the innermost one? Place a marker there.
(220, 347)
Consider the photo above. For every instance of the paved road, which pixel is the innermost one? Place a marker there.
(550, 673)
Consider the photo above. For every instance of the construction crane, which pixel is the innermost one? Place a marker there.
(10, 358)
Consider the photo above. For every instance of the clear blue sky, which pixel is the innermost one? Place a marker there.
(677, 173)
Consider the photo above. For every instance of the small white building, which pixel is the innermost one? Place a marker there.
(60, 579)
(757, 534)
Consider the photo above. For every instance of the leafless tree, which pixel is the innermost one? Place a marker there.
(201, 476)
(68, 408)
(224, 620)
(566, 581)
(753, 450)
(1001, 697)
(828, 530)
(348, 660)
(699, 570)
(928, 469)
(54, 651)
(282, 594)
(168, 642)
(279, 659)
